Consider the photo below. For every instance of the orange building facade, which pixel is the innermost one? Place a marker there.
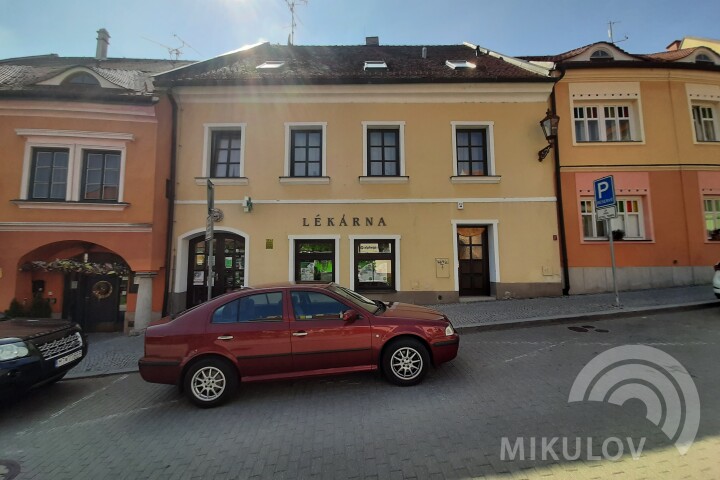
(652, 122)
(83, 214)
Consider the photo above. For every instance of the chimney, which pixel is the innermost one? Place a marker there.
(424, 52)
(372, 41)
(103, 40)
(674, 46)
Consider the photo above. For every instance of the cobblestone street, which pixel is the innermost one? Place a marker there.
(505, 384)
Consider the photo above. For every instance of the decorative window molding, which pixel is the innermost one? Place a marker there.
(398, 150)
(630, 219)
(76, 144)
(82, 79)
(704, 59)
(208, 148)
(606, 112)
(601, 55)
(487, 150)
(65, 78)
(711, 215)
(393, 256)
(290, 156)
(335, 254)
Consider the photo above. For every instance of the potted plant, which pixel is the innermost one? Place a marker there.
(618, 234)
(715, 234)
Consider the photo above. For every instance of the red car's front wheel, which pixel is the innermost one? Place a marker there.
(405, 362)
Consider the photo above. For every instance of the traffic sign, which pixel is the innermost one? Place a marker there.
(604, 189)
(606, 213)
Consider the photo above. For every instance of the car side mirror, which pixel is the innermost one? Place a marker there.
(350, 315)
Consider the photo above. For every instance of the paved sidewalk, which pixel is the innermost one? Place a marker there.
(111, 353)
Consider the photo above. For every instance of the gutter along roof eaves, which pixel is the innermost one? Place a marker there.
(525, 65)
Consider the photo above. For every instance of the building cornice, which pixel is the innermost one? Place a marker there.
(75, 227)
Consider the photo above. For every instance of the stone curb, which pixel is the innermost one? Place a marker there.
(584, 317)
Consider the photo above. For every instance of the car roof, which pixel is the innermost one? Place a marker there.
(289, 285)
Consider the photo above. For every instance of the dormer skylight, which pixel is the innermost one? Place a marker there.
(601, 55)
(459, 64)
(702, 58)
(271, 64)
(375, 65)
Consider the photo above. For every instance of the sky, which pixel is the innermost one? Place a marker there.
(150, 28)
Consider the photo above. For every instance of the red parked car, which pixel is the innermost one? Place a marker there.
(290, 331)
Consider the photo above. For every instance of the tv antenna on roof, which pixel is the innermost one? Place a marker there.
(291, 5)
(174, 51)
(610, 33)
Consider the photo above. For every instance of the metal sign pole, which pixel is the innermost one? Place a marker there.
(612, 256)
(209, 237)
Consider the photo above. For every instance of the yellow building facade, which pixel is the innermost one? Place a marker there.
(421, 191)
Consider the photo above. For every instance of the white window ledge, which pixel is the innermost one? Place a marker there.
(39, 205)
(475, 179)
(222, 181)
(384, 180)
(305, 180)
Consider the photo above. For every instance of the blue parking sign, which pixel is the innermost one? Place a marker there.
(604, 192)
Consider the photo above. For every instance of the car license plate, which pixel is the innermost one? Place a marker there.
(68, 358)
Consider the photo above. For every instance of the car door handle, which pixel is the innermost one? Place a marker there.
(299, 334)
(225, 337)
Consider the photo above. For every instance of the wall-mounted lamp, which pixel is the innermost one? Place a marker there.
(247, 205)
(549, 126)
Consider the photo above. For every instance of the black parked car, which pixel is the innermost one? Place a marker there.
(36, 352)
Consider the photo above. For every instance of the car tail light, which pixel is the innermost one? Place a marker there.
(717, 266)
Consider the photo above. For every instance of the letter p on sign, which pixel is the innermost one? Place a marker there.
(604, 189)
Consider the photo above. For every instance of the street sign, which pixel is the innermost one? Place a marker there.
(606, 209)
(606, 213)
(604, 189)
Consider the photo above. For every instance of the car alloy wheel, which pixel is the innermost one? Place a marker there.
(210, 382)
(406, 362)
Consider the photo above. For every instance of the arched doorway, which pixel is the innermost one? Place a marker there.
(96, 300)
(229, 253)
(82, 281)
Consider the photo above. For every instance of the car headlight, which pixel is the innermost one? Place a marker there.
(12, 351)
(449, 331)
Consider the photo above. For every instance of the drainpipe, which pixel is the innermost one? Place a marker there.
(559, 203)
(170, 194)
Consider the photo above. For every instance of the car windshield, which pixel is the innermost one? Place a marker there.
(359, 300)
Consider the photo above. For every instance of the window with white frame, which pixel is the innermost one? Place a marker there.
(101, 176)
(629, 220)
(383, 150)
(704, 123)
(374, 264)
(604, 123)
(305, 152)
(473, 151)
(49, 174)
(712, 217)
(72, 167)
(315, 260)
(224, 153)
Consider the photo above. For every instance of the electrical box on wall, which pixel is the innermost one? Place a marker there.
(460, 205)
